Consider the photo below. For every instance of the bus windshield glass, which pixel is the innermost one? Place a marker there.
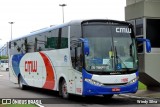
(112, 48)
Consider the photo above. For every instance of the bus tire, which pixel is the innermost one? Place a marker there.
(63, 89)
(7, 69)
(21, 85)
(108, 96)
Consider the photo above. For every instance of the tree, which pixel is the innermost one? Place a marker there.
(3, 57)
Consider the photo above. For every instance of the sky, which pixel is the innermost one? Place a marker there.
(31, 15)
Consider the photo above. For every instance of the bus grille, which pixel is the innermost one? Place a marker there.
(114, 84)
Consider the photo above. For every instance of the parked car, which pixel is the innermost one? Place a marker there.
(4, 64)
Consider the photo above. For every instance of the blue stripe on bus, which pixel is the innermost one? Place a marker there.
(86, 75)
(16, 65)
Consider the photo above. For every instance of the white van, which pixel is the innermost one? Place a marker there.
(4, 64)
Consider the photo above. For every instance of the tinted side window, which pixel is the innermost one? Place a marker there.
(64, 38)
(30, 44)
(75, 50)
(153, 33)
(17, 47)
(46, 41)
(52, 40)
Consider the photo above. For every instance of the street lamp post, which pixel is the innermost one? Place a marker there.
(0, 49)
(62, 5)
(11, 28)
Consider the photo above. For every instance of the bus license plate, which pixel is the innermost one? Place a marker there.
(115, 89)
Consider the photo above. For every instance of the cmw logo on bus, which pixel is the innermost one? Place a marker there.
(123, 30)
(30, 66)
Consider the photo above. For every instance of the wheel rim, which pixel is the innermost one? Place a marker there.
(64, 90)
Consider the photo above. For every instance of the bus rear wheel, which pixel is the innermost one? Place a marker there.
(63, 90)
(21, 85)
(108, 96)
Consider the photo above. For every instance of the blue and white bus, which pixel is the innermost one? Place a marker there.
(84, 57)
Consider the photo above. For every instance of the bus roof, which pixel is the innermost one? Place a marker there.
(73, 22)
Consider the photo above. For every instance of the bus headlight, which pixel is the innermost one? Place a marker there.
(134, 80)
(93, 82)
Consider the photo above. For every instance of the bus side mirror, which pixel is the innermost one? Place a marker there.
(148, 44)
(86, 45)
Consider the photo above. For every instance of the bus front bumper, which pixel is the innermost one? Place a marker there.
(91, 89)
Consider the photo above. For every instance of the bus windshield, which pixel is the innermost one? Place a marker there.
(112, 48)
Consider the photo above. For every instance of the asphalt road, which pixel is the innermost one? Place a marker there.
(51, 98)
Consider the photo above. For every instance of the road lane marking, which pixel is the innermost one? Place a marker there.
(1, 75)
(39, 105)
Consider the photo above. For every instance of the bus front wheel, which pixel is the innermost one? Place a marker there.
(63, 90)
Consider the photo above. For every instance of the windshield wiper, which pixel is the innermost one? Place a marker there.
(117, 57)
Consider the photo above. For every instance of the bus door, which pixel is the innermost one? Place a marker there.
(72, 81)
(78, 82)
(75, 82)
(76, 57)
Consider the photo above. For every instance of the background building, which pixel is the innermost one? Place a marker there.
(145, 16)
(4, 50)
